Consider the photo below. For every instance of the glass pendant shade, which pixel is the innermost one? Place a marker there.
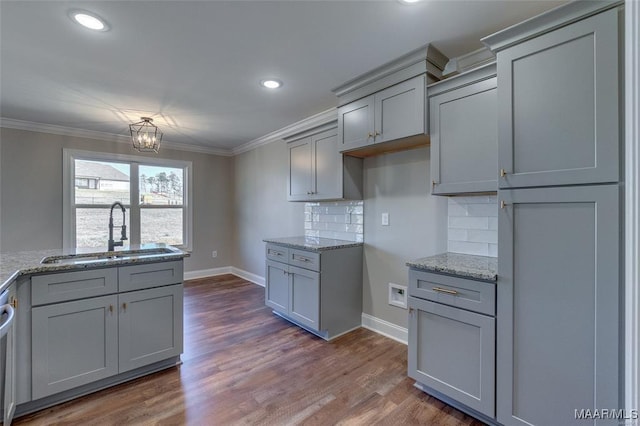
(145, 136)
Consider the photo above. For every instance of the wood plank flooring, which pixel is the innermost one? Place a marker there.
(244, 365)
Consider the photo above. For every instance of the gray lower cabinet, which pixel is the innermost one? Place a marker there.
(78, 340)
(317, 170)
(451, 348)
(149, 326)
(294, 292)
(319, 291)
(558, 103)
(558, 304)
(73, 343)
(464, 133)
(393, 113)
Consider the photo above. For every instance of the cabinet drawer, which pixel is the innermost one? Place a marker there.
(277, 253)
(477, 296)
(53, 288)
(304, 259)
(138, 277)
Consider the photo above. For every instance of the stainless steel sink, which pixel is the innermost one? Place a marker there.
(103, 257)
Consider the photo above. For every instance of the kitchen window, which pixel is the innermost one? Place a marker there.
(154, 191)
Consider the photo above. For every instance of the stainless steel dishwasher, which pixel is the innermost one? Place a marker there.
(7, 358)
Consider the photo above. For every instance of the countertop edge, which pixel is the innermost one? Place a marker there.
(346, 244)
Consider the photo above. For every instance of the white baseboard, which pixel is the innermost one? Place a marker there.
(256, 279)
(390, 330)
(204, 273)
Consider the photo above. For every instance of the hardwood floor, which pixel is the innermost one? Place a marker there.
(244, 365)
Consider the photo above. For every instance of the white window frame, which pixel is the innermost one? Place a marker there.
(68, 193)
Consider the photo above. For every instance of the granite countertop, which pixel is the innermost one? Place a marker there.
(312, 243)
(13, 265)
(461, 265)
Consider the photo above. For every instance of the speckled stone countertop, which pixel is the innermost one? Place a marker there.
(13, 265)
(461, 265)
(312, 243)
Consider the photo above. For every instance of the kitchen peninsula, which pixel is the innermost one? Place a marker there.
(87, 320)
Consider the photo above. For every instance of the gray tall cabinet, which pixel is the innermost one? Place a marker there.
(558, 290)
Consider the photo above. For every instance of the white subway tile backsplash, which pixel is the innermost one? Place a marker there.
(488, 210)
(480, 249)
(473, 225)
(469, 222)
(457, 234)
(478, 236)
(341, 220)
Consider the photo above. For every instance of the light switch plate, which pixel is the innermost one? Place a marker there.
(385, 219)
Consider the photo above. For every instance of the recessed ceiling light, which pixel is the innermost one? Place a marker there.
(271, 83)
(409, 1)
(89, 20)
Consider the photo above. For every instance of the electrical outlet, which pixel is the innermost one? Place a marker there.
(398, 295)
(385, 219)
(214, 253)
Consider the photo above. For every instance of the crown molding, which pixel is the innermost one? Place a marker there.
(55, 129)
(317, 120)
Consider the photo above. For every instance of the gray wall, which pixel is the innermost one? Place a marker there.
(31, 194)
(398, 184)
(261, 208)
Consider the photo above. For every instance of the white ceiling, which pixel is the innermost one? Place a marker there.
(194, 66)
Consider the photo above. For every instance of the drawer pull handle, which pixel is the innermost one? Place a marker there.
(14, 303)
(304, 259)
(444, 290)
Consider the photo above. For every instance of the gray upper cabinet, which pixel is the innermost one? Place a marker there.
(558, 303)
(558, 101)
(356, 124)
(464, 132)
(317, 170)
(393, 113)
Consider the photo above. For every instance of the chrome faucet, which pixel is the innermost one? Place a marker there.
(123, 235)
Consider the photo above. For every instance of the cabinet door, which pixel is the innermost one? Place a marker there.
(150, 326)
(9, 362)
(299, 182)
(464, 139)
(327, 166)
(73, 343)
(400, 110)
(453, 351)
(304, 298)
(277, 286)
(558, 106)
(355, 124)
(558, 308)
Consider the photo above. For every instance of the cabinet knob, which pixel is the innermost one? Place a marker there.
(14, 303)
(369, 135)
(110, 309)
(411, 310)
(124, 306)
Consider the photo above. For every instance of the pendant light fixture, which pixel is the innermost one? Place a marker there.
(145, 136)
